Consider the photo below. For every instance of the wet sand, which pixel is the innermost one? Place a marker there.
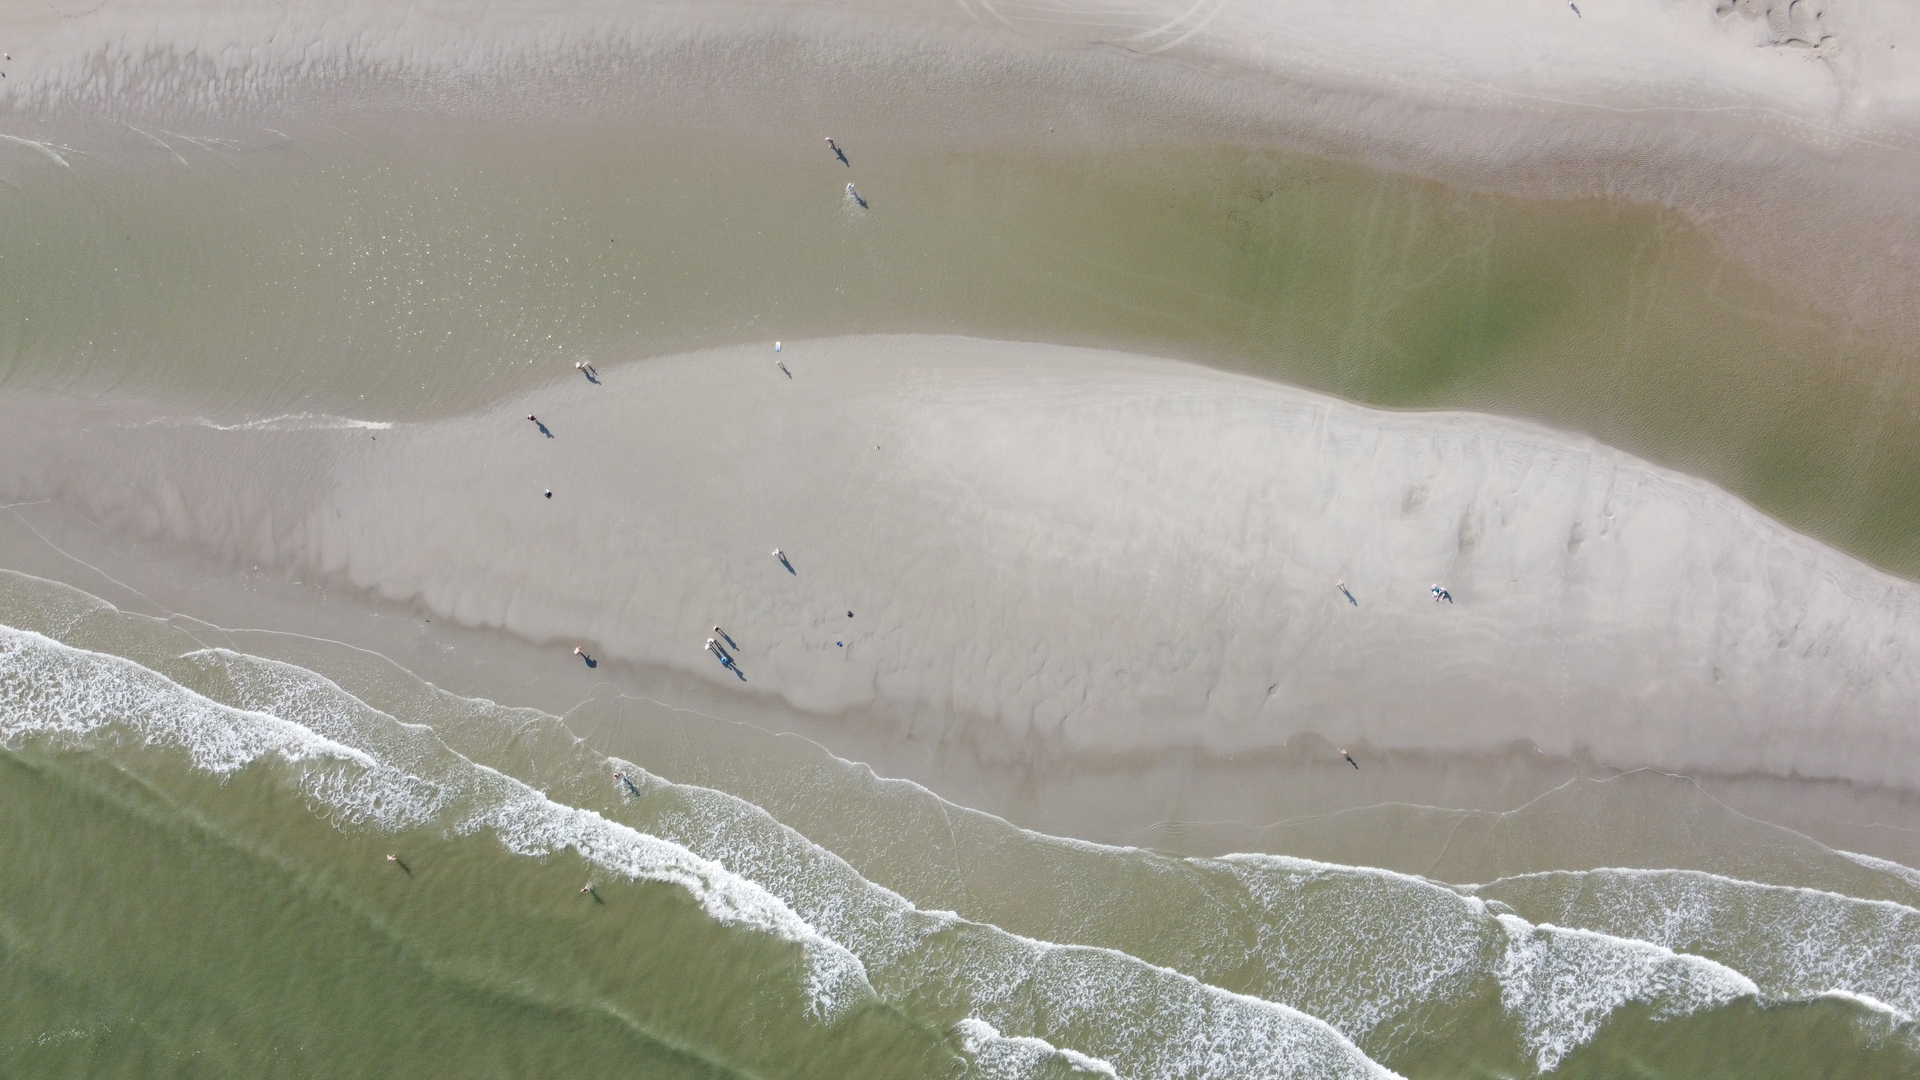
(283, 283)
(1152, 744)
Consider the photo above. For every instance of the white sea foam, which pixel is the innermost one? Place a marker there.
(1886, 866)
(998, 1057)
(1144, 1021)
(74, 697)
(1353, 946)
(1563, 984)
(1358, 947)
(295, 422)
(1431, 943)
(1794, 943)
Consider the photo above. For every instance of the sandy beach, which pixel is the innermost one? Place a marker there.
(1276, 540)
(1016, 558)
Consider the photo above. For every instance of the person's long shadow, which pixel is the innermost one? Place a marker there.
(856, 197)
(595, 380)
(842, 155)
(789, 566)
(543, 429)
(730, 664)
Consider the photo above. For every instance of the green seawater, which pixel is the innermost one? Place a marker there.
(197, 885)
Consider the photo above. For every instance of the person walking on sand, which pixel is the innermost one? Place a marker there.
(725, 660)
(782, 556)
(1349, 757)
(1342, 586)
(1440, 594)
(724, 634)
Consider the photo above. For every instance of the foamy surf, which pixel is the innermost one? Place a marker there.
(75, 698)
(1096, 1002)
(1364, 950)
(1793, 943)
(1563, 984)
(292, 422)
(1358, 948)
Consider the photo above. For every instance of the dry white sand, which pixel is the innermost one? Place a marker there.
(1789, 128)
(1828, 64)
(1083, 553)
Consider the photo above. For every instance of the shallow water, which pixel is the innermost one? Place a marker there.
(194, 821)
(400, 268)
